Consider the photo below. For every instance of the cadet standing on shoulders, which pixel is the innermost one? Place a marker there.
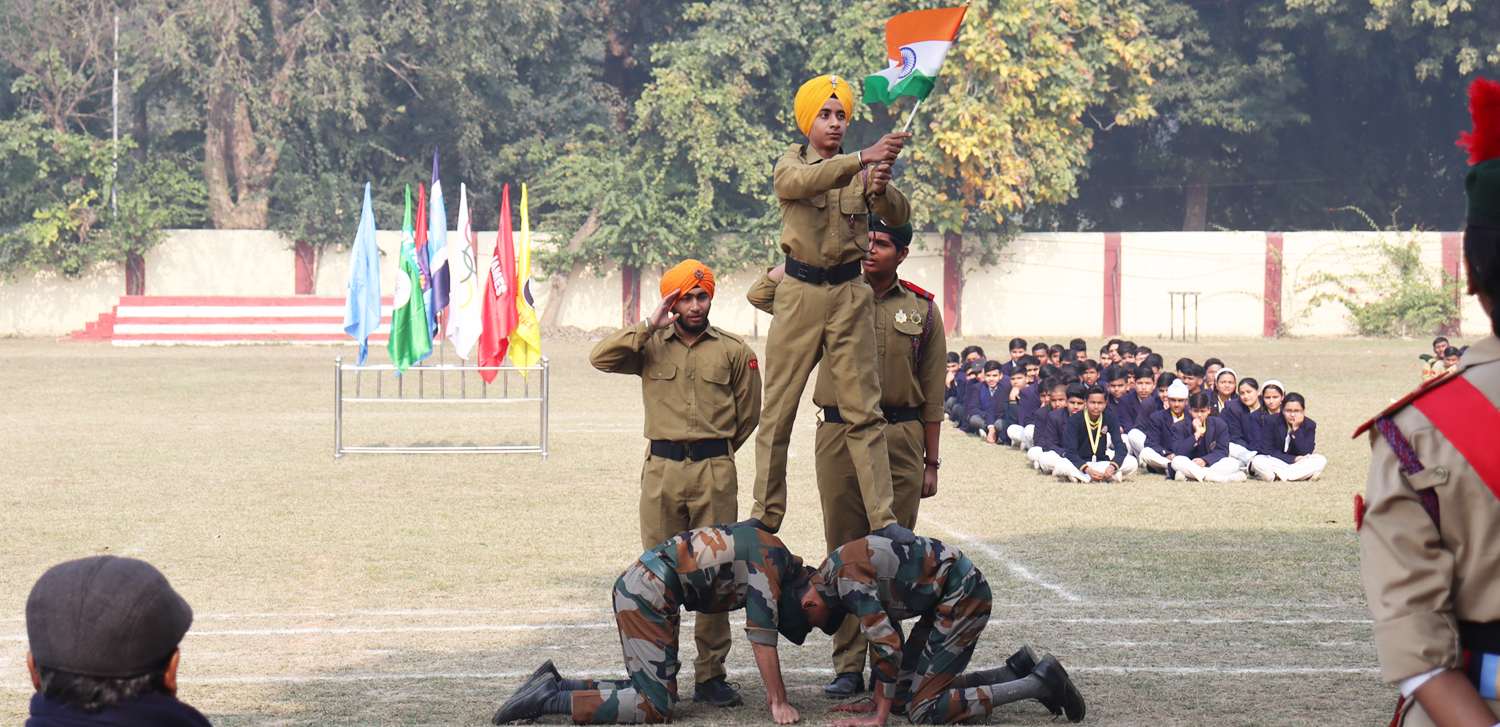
(701, 389)
(909, 350)
(1429, 541)
(824, 307)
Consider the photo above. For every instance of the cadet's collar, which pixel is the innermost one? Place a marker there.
(802, 153)
(708, 332)
(896, 289)
(1480, 352)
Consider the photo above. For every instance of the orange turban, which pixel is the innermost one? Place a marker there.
(687, 275)
(815, 93)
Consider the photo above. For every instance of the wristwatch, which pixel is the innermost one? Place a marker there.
(933, 463)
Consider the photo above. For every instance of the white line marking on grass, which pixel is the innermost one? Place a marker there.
(1240, 671)
(1016, 569)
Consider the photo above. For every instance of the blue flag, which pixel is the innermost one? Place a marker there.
(362, 309)
(437, 242)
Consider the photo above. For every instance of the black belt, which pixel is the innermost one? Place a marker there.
(694, 451)
(816, 275)
(1474, 636)
(895, 415)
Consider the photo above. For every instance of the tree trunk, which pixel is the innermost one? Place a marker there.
(307, 267)
(236, 168)
(1195, 218)
(558, 283)
(953, 282)
(630, 295)
(135, 274)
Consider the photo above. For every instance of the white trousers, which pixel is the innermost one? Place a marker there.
(1137, 441)
(1216, 472)
(1240, 453)
(1066, 470)
(1269, 468)
(1045, 461)
(1154, 460)
(1021, 437)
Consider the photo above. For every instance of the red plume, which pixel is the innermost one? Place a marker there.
(1484, 105)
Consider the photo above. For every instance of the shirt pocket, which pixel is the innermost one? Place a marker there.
(851, 202)
(660, 382)
(717, 383)
(819, 201)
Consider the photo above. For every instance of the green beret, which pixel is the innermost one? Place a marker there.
(1483, 187)
(899, 235)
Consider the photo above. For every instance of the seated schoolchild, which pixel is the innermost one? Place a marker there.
(1211, 369)
(1144, 382)
(1017, 350)
(1125, 405)
(1201, 445)
(1224, 389)
(1287, 445)
(973, 353)
(986, 404)
(953, 394)
(1079, 347)
(1032, 404)
(1069, 357)
(1192, 375)
(1156, 451)
(1182, 365)
(1032, 366)
(1451, 357)
(1126, 353)
(1242, 416)
(1012, 408)
(1164, 382)
(1152, 363)
(1432, 364)
(1091, 372)
(1054, 354)
(1095, 449)
(1111, 350)
(1271, 394)
(1047, 444)
(1141, 354)
(1042, 352)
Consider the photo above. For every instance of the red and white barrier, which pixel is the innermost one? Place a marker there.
(145, 320)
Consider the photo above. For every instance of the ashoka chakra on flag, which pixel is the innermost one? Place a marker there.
(916, 45)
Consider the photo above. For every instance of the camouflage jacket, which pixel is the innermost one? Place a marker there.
(724, 568)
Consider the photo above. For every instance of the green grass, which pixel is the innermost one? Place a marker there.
(401, 590)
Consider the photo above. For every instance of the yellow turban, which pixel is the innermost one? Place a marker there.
(687, 275)
(815, 93)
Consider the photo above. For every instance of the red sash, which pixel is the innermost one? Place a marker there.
(1467, 418)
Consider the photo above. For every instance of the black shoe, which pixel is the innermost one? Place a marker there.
(847, 684)
(754, 523)
(897, 534)
(528, 702)
(1064, 698)
(717, 692)
(547, 669)
(1022, 662)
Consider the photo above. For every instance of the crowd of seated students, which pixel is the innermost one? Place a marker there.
(1444, 356)
(1092, 421)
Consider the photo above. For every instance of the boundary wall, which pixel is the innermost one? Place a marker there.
(1251, 284)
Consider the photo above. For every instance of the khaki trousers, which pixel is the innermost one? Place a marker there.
(677, 497)
(844, 517)
(811, 322)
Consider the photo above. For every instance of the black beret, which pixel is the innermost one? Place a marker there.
(105, 617)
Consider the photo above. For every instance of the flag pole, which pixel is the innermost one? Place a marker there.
(911, 116)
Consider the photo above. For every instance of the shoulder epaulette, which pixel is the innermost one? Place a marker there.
(917, 290)
(1421, 391)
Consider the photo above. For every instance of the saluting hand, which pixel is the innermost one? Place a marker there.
(664, 316)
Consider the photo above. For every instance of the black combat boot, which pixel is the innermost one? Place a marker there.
(845, 685)
(897, 534)
(1063, 697)
(535, 698)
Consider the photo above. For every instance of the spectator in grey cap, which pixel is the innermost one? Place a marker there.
(103, 633)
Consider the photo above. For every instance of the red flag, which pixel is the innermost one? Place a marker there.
(424, 271)
(499, 311)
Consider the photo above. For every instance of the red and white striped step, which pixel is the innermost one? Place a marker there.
(146, 320)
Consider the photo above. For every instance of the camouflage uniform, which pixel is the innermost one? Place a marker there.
(880, 583)
(709, 570)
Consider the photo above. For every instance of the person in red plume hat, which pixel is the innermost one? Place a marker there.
(1429, 545)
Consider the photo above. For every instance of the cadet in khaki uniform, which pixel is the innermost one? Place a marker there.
(824, 307)
(909, 350)
(701, 389)
(1430, 527)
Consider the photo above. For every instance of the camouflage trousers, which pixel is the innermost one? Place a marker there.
(938, 648)
(647, 615)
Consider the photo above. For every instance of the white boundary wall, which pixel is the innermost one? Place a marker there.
(1049, 285)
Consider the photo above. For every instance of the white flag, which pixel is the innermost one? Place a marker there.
(464, 323)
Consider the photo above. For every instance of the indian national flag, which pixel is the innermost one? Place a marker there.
(916, 44)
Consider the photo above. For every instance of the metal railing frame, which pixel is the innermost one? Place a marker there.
(339, 367)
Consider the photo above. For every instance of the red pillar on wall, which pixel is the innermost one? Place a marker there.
(306, 263)
(1272, 324)
(1111, 283)
(630, 295)
(1453, 266)
(953, 247)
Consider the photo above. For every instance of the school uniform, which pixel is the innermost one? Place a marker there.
(1244, 431)
(1280, 447)
(1126, 409)
(1029, 403)
(1135, 435)
(1048, 449)
(1083, 450)
(1158, 442)
(1212, 448)
(1007, 367)
(953, 398)
(984, 408)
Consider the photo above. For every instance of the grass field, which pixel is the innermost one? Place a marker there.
(404, 590)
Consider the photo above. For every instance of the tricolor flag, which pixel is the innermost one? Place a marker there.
(916, 44)
(499, 295)
(526, 340)
(362, 308)
(464, 303)
(437, 242)
(410, 340)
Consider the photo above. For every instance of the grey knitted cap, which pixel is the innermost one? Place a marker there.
(105, 617)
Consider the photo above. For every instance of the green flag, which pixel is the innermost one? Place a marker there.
(410, 340)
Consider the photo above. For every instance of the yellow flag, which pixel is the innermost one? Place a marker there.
(526, 339)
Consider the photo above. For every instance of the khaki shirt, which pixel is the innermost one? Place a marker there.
(1420, 583)
(819, 197)
(900, 318)
(710, 390)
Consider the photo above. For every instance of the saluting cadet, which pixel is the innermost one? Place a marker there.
(881, 583)
(701, 388)
(709, 570)
(909, 346)
(824, 308)
(1429, 544)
